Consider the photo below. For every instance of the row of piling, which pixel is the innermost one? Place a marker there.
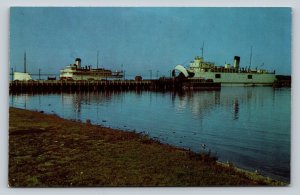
(67, 86)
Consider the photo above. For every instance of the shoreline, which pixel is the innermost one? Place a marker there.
(48, 151)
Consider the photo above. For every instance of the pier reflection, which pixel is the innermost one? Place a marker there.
(200, 103)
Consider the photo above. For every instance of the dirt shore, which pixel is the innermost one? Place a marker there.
(48, 151)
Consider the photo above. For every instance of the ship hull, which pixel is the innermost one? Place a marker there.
(238, 79)
(88, 77)
(81, 77)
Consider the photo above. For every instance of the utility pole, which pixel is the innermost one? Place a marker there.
(12, 74)
(39, 74)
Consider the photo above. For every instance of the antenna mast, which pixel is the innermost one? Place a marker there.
(250, 56)
(202, 49)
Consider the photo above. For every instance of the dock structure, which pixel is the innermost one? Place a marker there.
(77, 86)
(67, 86)
(283, 81)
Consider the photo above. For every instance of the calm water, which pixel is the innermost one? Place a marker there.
(249, 127)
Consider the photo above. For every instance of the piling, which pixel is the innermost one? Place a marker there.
(78, 86)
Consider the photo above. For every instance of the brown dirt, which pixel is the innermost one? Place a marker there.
(48, 151)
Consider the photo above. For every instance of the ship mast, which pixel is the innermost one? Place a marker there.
(250, 57)
(202, 49)
(97, 58)
(25, 62)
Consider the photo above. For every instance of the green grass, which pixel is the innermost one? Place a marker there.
(47, 151)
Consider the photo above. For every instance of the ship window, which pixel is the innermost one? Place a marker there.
(249, 76)
(217, 76)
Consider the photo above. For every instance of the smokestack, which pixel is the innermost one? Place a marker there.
(78, 62)
(236, 62)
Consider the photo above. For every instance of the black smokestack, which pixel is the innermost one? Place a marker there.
(236, 62)
(78, 62)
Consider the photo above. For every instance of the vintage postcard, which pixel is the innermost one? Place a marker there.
(149, 96)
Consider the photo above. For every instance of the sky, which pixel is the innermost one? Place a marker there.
(140, 39)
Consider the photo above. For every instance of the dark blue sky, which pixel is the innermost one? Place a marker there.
(144, 39)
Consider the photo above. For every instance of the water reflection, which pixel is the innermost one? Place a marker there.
(236, 109)
(247, 126)
(203, 102)
(199, 103)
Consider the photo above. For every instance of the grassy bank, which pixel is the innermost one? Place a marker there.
(45, 150)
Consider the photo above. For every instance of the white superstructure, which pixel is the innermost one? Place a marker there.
(227, 75)
(76, 72)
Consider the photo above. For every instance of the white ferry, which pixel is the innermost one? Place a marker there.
(76, 72)
(227, 75)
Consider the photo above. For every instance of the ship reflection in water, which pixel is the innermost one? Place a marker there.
(249, 127)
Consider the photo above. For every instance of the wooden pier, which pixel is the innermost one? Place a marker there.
(282, 81)
(69, 86)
